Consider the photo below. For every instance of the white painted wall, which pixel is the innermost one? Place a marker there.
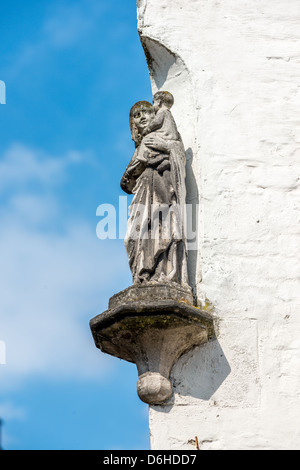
(234, 69)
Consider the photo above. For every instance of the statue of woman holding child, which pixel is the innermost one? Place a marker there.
(154, 321)
(156, 241)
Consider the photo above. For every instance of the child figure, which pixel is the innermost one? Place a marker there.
(163, 124)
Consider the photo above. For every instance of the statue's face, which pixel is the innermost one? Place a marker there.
(142, 117)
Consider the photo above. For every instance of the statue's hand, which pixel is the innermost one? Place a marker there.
(156, 143)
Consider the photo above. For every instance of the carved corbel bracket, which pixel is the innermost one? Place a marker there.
(151, 325)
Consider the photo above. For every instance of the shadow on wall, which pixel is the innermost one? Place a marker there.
(192, 198)
(160, 61)
(200, 372)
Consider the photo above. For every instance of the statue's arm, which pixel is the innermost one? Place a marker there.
(155, 124)
(155, 161)
(157, 143)
(131, 174)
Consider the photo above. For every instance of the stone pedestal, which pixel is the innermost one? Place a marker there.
(151, 325)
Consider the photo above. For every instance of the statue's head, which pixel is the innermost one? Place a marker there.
(140, 117)
(163, 97)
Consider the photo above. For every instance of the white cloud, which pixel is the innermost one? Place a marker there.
(51, 282)
(21, 165)
(30, 209)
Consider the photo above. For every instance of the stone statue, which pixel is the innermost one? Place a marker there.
(154, 321)
(156, 240)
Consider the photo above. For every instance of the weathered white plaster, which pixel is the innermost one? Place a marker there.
(233, 68)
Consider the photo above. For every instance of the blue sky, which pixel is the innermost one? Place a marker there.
(72, 71)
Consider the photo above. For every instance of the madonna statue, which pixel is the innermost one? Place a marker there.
(156, 238)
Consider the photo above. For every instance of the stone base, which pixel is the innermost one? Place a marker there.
(152, 292)
(151, 325)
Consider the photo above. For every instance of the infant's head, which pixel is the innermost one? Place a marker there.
(163, 98)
